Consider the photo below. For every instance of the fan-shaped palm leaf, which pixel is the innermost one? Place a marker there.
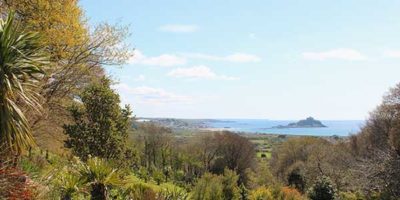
(68, 182)
(21, 58)
(100, 176)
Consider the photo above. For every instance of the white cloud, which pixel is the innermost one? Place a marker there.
(391, 54)
(165, 60)
(150, 95)
(198, 72)
(252, 36)
(339, 54)
(236, 57)
(179, 28)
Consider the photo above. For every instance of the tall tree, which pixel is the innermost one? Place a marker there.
(235, 153)
(100, 126)
(21, 60)
(77, 53)
(157, 144)
(205, 148)
(377, 147)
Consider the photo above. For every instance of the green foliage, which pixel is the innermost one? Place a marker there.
(296, 179)
(158, 176)
(77, 52)
(230, 189)
(208, 187)
(275, 193)
(136, 188)
(143, 173)
(156, 141)
(351, 196)
(211, 186)
(32, 168)
(178, 176)
(21, 60)
(294, 153)
(244, 192)
(261, 193)
(170, 191)
(68, 182)
(100, 126)
(262, 176)
(322, 189)
(235, 153)
(77, 179)
(97, 170)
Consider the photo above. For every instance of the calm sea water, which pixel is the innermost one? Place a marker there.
(340, 128)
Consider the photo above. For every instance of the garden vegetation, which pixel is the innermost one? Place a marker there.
(64, 135)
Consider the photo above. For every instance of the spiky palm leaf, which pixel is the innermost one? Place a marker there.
(97, 173)
(68, 182)
(21, 58)
(96, 170)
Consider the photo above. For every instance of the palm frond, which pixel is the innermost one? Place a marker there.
(21, 60)
(96, 170)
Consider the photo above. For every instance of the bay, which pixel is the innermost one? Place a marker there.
(334, 127)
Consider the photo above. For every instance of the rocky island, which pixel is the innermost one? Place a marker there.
(305, 123)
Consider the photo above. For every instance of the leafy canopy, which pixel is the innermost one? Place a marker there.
(100, 126)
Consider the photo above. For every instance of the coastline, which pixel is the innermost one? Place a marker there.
(260, 126)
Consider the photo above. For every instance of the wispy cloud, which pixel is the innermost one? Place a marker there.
(391, 54)
(236, 57)
(335, 54)
(179, 28)
(198, 72)
(165, 60)
(150, 95)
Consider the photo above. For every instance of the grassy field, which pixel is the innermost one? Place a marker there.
(264, 144)
(265, 154)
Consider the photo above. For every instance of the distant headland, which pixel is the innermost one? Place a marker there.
(305, 123)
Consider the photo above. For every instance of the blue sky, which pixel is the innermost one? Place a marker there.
(255, 59)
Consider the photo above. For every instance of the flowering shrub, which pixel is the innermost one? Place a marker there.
(291, 194)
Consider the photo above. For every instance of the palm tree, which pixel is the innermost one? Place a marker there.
(21, 59)
(100, 176)
(68, 182)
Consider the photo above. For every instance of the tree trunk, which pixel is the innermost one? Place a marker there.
(67, 197)
(99, 192)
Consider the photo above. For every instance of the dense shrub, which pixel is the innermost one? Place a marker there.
(170, 191)
(275, 193)
(208, 187)
(135, 188)
(230, 185)
(100, 126)
(296, 179)
(290, 194)
(261, 193)
(323, 189)
(351, 196)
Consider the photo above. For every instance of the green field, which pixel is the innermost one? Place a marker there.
(264, 144)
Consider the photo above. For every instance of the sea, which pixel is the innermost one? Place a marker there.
(260, 126)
